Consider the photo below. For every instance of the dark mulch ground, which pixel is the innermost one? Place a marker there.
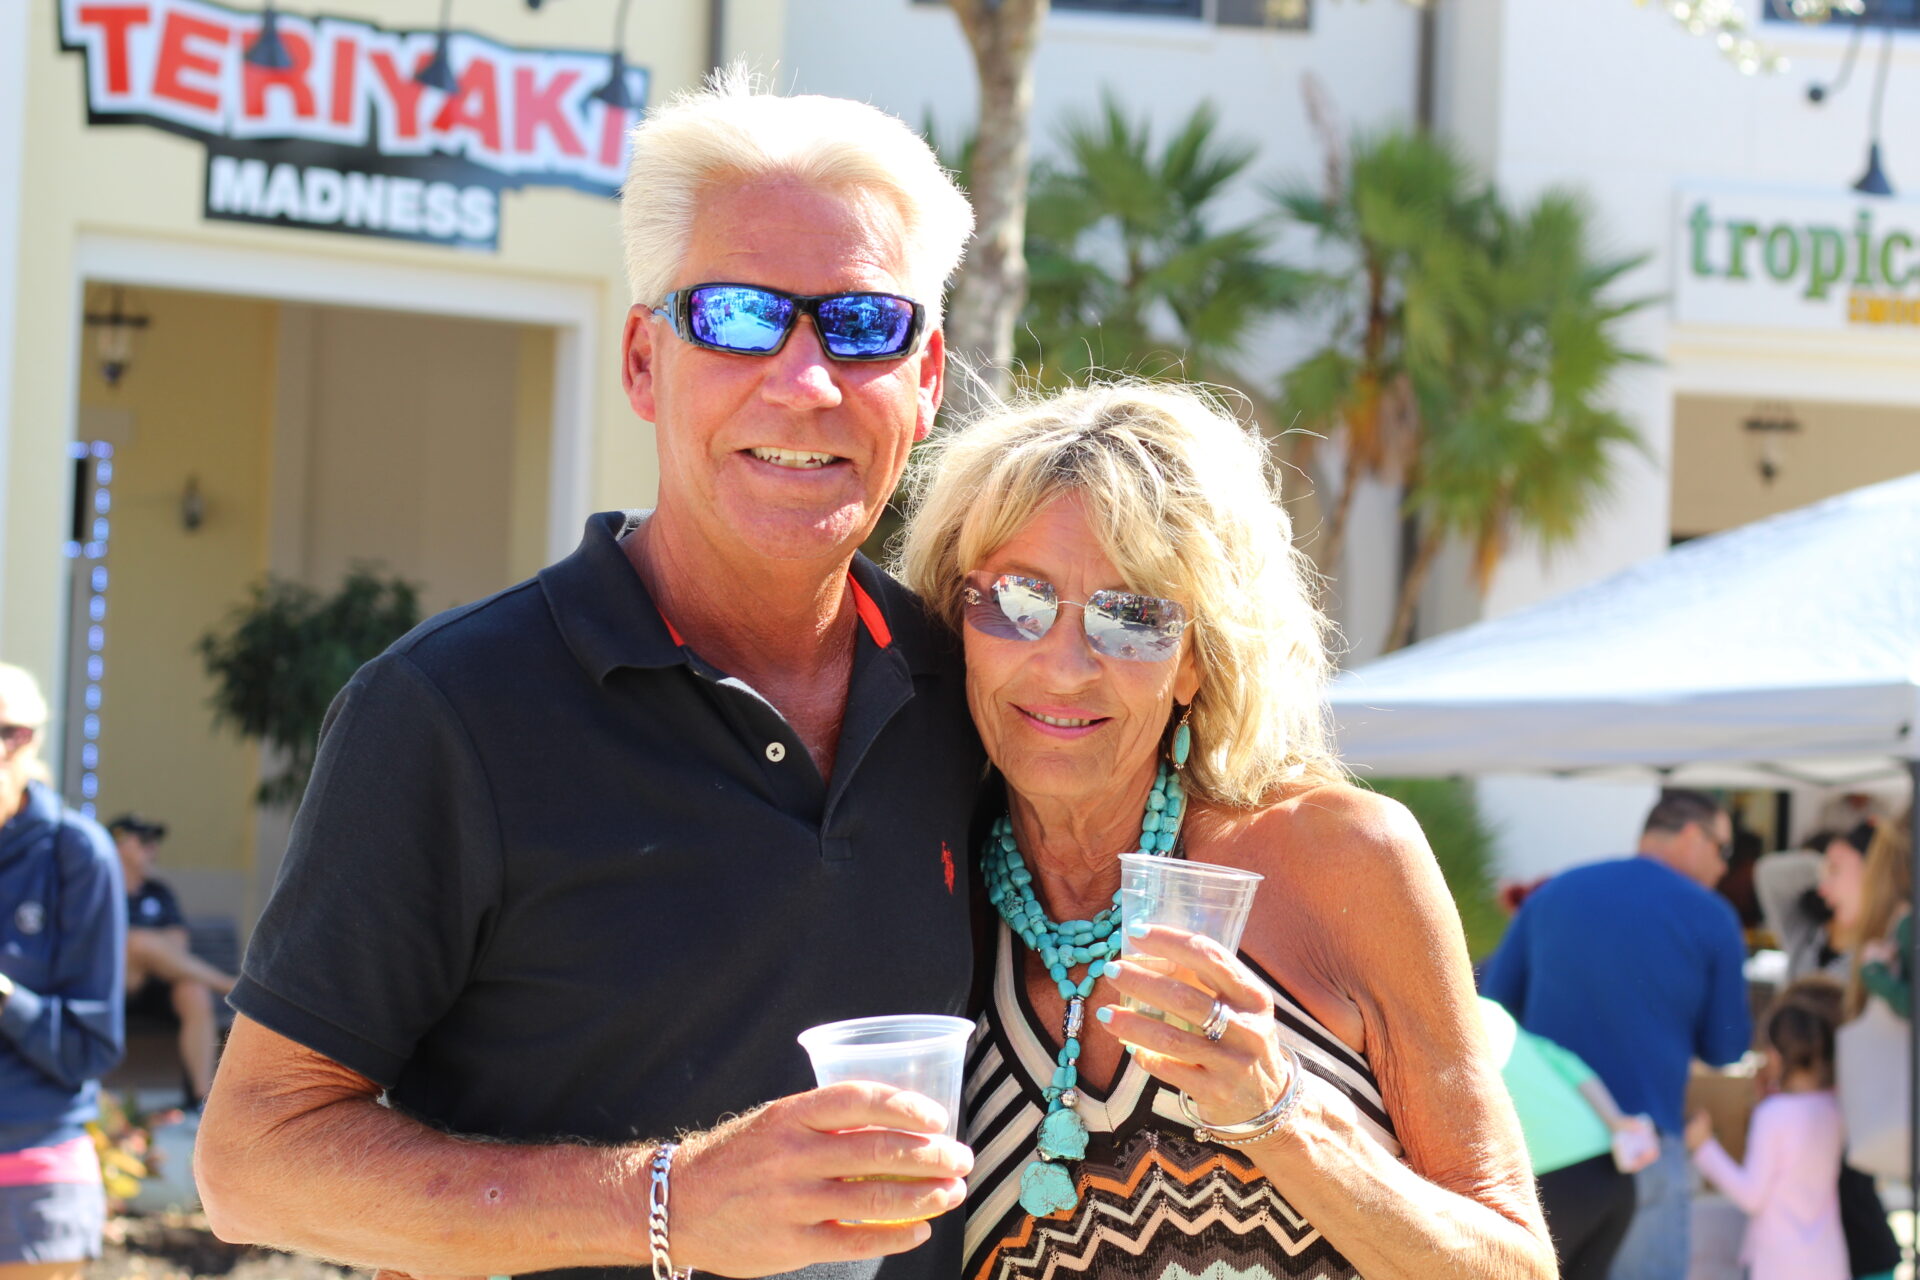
(178, 1246)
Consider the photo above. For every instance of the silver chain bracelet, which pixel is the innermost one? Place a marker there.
(657, 1214)
(1250, 1131)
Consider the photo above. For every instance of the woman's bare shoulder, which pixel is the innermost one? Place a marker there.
(1329, 835)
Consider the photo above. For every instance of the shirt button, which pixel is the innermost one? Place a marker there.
(776, 751)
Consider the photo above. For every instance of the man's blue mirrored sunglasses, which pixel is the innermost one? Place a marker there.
(750, 320)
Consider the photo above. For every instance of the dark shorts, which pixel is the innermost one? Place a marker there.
(53, 1222)
(153, 1002)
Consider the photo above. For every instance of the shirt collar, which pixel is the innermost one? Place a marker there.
(608, 619)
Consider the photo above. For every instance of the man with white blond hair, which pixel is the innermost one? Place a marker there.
(579, 861)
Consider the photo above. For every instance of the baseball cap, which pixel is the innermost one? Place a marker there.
(139, 826)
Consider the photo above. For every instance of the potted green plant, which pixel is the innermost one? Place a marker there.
(282, 655)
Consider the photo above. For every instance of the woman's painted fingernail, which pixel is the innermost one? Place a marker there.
(1104, 1013)
(1138, 929)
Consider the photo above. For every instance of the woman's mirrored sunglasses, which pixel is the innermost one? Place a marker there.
(1118, 624)
(749, 320)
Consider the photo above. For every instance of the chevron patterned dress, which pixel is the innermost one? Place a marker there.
(1154, 1204)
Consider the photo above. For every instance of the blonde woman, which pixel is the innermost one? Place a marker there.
(1145, 668)
(62, 934)
(1884, 923)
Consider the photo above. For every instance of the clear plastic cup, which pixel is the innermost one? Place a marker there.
(1199, 897)
(923, 1052)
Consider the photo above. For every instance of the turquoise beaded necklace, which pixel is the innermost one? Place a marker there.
(1045, 1184)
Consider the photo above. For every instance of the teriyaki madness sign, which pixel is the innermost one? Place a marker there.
(345, 139)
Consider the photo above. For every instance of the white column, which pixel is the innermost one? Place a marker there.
(15, 24)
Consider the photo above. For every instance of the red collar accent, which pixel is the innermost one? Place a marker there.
(863, 604)
(870, 613)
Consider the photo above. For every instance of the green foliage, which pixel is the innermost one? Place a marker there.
(955, 154)
(1469, 350)
(286, 652)
(1396, 291)
(1517, 438)
(1129, 265)
(1394, 294)
(1463, 844)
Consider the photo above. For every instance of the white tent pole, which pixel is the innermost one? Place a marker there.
(1913, 1023)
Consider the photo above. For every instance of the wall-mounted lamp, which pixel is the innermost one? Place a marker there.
(438, 71)
(268, 51)
(193, 506)
(113, 331)
(1874, 181)
(614, 92)
(1768, 429)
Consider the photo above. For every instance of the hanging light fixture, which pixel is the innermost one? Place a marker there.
(113, 336)
(1769, 427)
(193, 506)
(268, 51)
(1874, 181)
(438, 71)
(615, 92)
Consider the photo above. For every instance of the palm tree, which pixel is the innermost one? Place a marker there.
(1003, 36)
(1516, 437)
(1398, 227)
(1129, 266)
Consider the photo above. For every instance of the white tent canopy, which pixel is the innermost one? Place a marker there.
(1783, 650)
(1787, 650)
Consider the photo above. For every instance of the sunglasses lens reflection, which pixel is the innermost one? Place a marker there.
(863, 326)
(751, 321)
(1118, 624)
(1011, 608)
(1136, 628)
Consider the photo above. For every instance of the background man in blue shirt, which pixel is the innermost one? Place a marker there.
(1636, 965)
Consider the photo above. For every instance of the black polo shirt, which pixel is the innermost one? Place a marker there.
(556, 877)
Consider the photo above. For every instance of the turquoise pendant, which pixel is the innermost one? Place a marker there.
(1063, 1135)
(1182, 745)
(1046, 1189)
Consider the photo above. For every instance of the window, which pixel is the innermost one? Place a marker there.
(1165, 8)
(1900, 14)
(1280, 15)
(1275, 15)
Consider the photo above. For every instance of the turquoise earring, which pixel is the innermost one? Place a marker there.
(1182, 739)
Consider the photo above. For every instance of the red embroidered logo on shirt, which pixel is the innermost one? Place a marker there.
(946, 864)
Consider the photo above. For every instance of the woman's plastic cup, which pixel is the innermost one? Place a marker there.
(925, 1053)
(1198, 897)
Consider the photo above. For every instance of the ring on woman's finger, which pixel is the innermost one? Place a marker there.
(1216, 1024)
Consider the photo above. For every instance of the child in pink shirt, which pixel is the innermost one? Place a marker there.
(1789, 1185)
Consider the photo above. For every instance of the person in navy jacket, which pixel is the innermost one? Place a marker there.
(62, 934)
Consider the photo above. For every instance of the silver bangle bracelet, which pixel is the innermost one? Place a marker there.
(1249, 1131)
(661, 1166)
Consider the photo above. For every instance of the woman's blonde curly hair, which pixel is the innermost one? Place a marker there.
(1185, 502)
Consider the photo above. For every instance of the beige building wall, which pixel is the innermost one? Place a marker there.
(1716, 477)
(409, 452)
(197, 405)
(486, 438)
(127, 184)
(318, 439)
